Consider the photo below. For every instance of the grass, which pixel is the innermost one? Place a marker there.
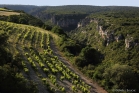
(6, 12)
(3, 9)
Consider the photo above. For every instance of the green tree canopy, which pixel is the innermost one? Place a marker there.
(91, 55)
(58, 30)
(121, 76)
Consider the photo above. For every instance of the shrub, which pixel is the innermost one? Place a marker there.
(120, 76)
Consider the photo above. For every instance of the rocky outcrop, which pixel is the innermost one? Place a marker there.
(106, 35)
(109, 36)
(66, 21)
(102, 32)
(129, 42)
(86, 21)
(119, 37)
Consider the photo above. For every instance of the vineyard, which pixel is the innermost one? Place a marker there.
(39, 62)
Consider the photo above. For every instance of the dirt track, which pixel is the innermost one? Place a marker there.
(95, 88)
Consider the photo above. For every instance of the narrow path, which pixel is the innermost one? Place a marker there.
(95, 88)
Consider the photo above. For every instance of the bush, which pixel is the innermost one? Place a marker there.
(13, 82)
(80, 62)
(121, 77)
(90, 55)
(58, 30)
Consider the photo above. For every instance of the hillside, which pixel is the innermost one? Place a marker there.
(26, 8)
(115, 35)
(101, 42)
(69, 16)
(34, 61)
(66, 16)
(20, 17)
(6, 12)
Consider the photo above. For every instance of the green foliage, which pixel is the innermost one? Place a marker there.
(47, 27)
(69, 9)
(3, 38)
(23, 18)
(67, 45)
(99, 70)
(120, 23)
(58, 30)
(90, 54)
(26, 8)
(23, 21)
(70, 13)
(14, 82)
(116, 20)
(80, 62)
(31, 50)
(87, 56)
(71, 47)
(4, 55)
(11, 80)
(120, 76)
(13, 18)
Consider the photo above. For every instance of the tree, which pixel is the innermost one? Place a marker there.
(80, 62)
(35, 22)
(3, 38)
(91, 55)
(14, 82)
(13, 18)
(3, 52)
(47, 27)
(58, 30)
(23, 21)
(121, 77)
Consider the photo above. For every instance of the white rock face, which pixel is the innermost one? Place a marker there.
(86, 21)
(129, 42)
(120, 37)
(106, 35)
(102, 33)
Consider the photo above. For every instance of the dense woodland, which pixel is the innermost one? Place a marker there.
(118, 65)
(105, 48)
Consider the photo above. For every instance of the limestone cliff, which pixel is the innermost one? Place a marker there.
(109, 36)
(66, 21)
(129, 42)
(84, 22)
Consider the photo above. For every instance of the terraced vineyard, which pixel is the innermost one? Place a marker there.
(39, 62)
